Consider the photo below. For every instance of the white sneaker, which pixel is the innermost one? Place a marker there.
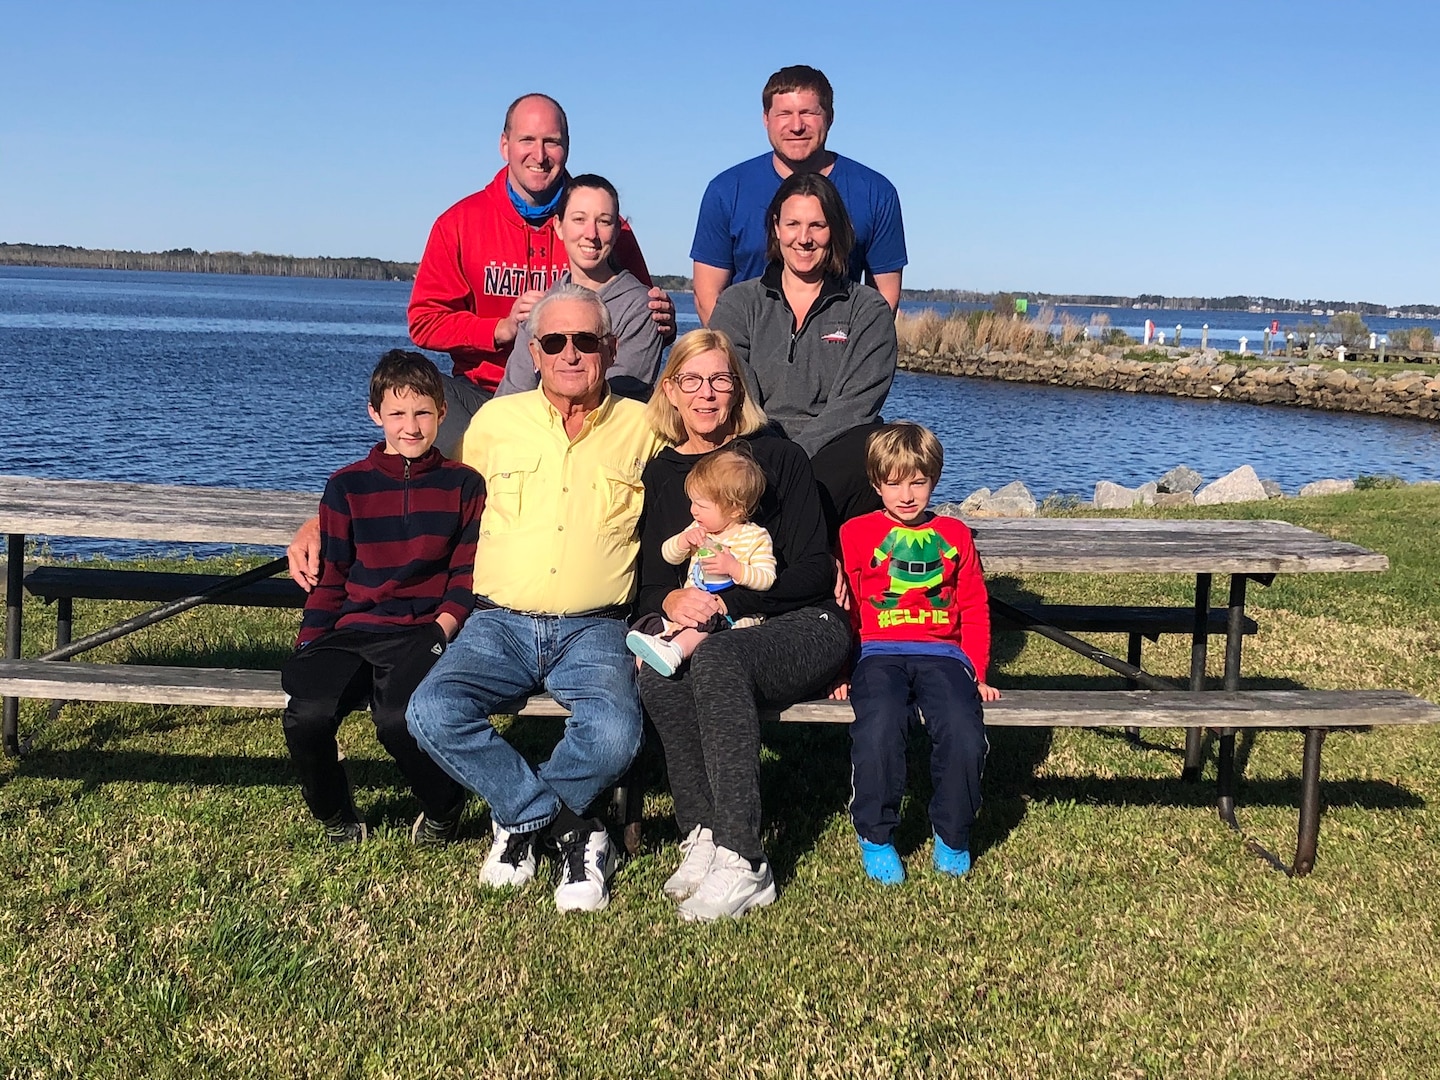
(699, 851)
(510, 862)
(664, 656)
(587, 862)
(730, 889)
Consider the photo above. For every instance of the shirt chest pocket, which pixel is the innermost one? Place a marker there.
(622, 498)
(509, 486)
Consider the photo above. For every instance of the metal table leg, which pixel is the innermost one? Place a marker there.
(1234, 631)
(1199, 646)
(1225, 778)
(14, 601)
(1309, 803)
(1234, 637)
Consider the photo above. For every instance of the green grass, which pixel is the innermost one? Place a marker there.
(167, 909)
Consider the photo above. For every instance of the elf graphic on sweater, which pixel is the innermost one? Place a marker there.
(916, 562)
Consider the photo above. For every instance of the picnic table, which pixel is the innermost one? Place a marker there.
(105, 510)
(1244, 550)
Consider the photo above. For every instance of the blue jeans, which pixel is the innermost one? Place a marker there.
(498, 659)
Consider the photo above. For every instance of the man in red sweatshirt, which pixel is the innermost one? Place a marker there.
(493, 254)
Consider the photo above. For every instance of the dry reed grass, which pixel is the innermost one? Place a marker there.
(984, 331)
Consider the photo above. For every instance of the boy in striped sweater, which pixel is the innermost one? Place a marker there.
(398, 534)
(724, 548)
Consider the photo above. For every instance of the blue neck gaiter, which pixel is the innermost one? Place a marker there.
(534, 215)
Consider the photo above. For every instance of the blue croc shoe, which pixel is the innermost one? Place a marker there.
(949, 861)
(881, 862)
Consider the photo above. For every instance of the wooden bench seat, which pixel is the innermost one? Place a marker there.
(1315, 712)
(248, 688)
(51, 583)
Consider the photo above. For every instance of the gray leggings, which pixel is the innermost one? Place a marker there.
(708, 716)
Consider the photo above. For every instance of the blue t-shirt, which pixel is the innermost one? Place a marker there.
(730, 232)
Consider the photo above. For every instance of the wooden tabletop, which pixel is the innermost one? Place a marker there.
(116, 511)
(1122, 545)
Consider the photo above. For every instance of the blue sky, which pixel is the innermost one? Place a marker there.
(1265, 148)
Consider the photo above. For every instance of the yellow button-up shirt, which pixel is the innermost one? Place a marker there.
(559, 530)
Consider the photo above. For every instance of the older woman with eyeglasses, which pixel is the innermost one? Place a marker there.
(707, 714)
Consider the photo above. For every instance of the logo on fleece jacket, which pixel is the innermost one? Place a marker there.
(836, 337)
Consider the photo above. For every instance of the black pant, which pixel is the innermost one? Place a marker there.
(341, 671)
(845, 488)
(709, 721)
(881, 691)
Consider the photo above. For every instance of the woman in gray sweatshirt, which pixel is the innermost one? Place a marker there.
(587, 221)
(818, 349)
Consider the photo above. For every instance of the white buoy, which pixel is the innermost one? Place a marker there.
(1244, 341)
(1340, 353)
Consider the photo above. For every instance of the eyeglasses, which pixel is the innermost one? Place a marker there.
(583, 340)
(722, 382)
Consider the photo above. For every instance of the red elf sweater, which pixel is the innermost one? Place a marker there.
(919, 584)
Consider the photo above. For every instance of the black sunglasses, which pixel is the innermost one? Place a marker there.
(553, 344)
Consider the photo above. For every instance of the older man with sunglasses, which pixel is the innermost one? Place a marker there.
(554, 576)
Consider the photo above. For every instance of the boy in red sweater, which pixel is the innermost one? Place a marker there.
(397, 546)
(920, 607)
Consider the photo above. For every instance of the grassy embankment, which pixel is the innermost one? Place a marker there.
(167, 909)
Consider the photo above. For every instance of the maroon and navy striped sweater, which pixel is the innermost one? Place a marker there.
(397, 544)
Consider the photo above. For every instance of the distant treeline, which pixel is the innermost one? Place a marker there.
(1180, 303)
(187, 260)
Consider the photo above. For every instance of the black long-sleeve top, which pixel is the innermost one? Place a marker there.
(789, 510)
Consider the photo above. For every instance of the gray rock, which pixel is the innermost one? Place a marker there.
(1180, 478)
(1012, 500)
(1327, 487)
(1272, 489)
(1175, 498)
(1242, 485)
(972, 502)
(949, 509)
(1110, 496)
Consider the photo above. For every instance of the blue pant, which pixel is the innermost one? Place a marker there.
(944, 688)
(497, 660)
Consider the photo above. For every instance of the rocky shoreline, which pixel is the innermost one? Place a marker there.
(1195, 374)
(1181, 486)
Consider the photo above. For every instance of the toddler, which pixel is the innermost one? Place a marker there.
(724, 548)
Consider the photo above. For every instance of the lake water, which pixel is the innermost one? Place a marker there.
(261, 382)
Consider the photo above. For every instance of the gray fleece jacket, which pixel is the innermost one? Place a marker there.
(830, 375)
(637, 342)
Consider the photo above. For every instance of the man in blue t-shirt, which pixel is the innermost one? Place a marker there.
(730, 233)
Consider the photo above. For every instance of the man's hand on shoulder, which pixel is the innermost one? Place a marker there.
(662, 312)
(507, 328)
(304, 555)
